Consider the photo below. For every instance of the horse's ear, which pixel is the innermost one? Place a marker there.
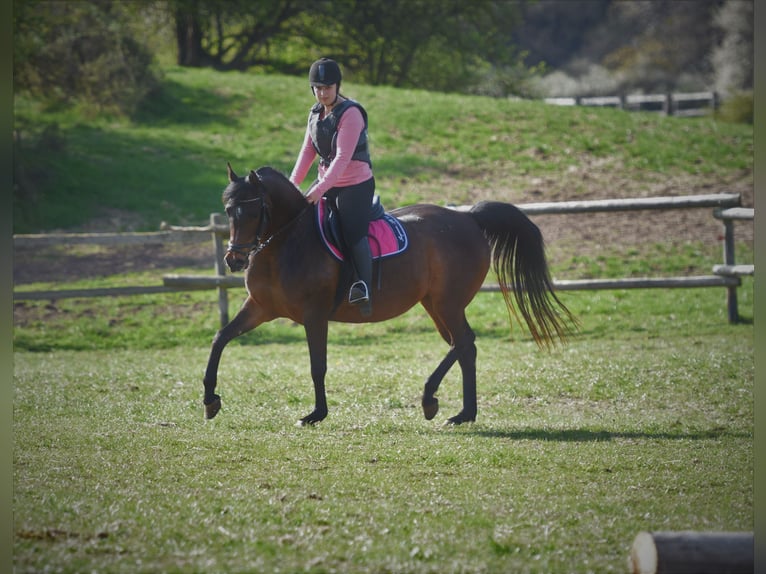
(252, 178)
(232, 175)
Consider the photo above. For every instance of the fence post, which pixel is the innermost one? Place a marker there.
(220, 267)
(728, 259)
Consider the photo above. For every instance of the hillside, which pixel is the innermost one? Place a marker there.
(81, 171)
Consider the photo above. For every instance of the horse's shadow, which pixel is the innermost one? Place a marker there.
(590, 435)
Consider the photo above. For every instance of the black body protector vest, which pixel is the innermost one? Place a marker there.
(324, 132)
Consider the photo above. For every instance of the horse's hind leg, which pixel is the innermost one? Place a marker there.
(467, 361)
(455, 330)
(429, 402)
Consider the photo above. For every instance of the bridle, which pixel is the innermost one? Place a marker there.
(246, 248)
(255, 247)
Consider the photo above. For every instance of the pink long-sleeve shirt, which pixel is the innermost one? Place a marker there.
(342, 171)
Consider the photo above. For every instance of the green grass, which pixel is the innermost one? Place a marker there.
(168, 162)
(642, 422)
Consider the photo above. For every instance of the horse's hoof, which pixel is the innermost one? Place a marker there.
(307, 422)
(311, 419)
(430, 407)
(459, 419)
(212, 408)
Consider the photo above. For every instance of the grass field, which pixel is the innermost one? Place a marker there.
(644, 420)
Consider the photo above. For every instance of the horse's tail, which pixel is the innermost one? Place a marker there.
(518, 259)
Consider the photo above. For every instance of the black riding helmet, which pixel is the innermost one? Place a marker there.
(324, 72)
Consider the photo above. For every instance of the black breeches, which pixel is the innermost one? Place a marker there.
(354, 204)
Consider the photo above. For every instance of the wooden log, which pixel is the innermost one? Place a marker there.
(602, 101)
(734, 270)
(561, 101)
(740, 213)
(55, 295)
(218, 225)
(171, 283)
(719, 200)
(688, 552)
(646, 283)
(218, 219)
(693, 104)
(637, 283)
(195, 282)
(714, 200)
(111, 239)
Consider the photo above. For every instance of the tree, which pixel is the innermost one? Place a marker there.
(732, 58)
(443, 45)
(607, 46)
(552, 31)
(658, 45)
(187, 17)
(230, 34)
(80, 51)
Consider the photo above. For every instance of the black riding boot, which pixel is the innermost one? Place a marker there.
(360, 292)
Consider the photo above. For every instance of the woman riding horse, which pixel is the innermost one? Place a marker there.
(337, 131)
(290, 273)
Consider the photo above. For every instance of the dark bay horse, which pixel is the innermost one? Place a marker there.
(289, 273)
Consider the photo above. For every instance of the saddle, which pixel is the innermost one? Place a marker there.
(386, 234)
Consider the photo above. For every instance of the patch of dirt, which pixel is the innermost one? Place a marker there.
(590, 232)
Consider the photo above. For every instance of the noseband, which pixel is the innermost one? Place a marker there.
(259, 244)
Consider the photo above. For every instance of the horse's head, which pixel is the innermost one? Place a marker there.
(246, 204)
(256, 205)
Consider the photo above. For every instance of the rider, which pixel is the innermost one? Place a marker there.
(337, 132)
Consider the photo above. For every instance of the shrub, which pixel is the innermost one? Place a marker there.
(737, 108)
(80, 52)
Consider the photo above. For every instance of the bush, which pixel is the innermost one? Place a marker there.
(582, 79)
(737, 108)
(80, 52)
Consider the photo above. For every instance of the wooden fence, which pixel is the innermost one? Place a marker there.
(728, 275)
(685, 105)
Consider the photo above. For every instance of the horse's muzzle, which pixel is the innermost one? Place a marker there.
(235, 261)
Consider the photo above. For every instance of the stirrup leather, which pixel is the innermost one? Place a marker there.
(358, 293)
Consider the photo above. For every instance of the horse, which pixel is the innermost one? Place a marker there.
(289, 273)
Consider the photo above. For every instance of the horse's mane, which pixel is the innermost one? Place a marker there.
(268, 174)
(272, 179)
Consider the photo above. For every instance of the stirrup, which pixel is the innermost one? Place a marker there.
(358, 293)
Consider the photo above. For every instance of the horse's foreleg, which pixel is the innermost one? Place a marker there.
(316, 336)
(246, 319)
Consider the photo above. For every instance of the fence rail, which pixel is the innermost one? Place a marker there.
(671, 104)
(726, 208)
(714, 200)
